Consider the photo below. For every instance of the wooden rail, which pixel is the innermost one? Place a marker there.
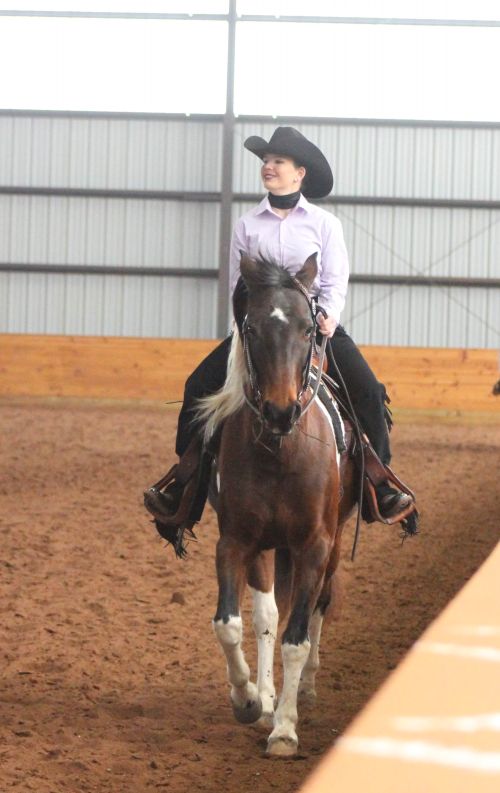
(101, 366)
(434, 726)
(156, 369)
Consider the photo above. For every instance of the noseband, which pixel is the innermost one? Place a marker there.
(255, 402)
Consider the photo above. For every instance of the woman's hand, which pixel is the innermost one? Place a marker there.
(326, 326)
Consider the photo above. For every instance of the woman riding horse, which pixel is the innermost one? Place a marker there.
(286, 228)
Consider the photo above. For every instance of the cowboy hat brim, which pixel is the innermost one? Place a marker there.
(289, 142)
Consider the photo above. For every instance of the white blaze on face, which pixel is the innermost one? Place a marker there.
(278, 313)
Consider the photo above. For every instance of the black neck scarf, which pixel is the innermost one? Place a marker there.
(284, 201)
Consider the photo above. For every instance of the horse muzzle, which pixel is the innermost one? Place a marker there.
(280, 421)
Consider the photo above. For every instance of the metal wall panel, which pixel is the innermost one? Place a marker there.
(402, 240)
(59, 230)
(423, 316)
(107, 305)
(172, 154)
(114, 232)
(110, 153)
(392, 161)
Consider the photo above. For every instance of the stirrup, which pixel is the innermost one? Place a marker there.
(183, 473)
(176, 527)
(192, 473)
(376, 472)
(372, 502)
(153, 500)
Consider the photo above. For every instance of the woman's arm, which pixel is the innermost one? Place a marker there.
(334, 274)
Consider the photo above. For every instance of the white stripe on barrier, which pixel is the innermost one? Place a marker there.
(478, 630)
(482, 721)
(462, 757)
(460, 650)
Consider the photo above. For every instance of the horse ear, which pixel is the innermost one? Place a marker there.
(248, 267)
(308, 272)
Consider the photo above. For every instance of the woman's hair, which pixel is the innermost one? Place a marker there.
(303, 184)
(297, 164)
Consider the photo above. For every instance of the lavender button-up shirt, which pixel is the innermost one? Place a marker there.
(289, 241)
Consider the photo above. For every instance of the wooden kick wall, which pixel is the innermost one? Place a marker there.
(156, 369)
(433, 726)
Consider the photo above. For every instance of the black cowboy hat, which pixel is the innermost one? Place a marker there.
(289, 142)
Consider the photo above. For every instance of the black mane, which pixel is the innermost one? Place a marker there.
(267, 275)
(270, 274)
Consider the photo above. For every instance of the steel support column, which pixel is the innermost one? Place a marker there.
(227, 180)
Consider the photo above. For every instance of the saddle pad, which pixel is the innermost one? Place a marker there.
(331, 407)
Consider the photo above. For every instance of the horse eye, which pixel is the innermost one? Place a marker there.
(309, 332)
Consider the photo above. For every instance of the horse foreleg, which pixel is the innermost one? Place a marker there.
(228, 626)
(330, 588)
(307, 685)
(309, 571)
(265, 623)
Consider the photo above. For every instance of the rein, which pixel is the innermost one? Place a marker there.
(255, 403)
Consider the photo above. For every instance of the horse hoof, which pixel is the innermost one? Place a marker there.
(248, 713)
(282, 746)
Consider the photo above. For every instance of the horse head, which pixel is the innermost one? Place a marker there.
(278, 332)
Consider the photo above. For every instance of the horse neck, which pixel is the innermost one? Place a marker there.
(311, 443)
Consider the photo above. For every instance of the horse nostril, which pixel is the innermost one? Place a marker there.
(296, 411)
(281, 419)
(267, 410)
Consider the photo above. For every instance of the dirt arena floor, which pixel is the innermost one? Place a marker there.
(111, 677)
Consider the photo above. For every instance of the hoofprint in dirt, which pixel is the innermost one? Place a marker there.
(111, 675)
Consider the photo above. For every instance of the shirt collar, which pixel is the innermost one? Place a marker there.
(265, 206)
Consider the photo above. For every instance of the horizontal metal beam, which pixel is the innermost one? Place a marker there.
(423, 280)
(91, 192)
(106, 269)
(251, 198)
(111, 114)
(448, 203)
(318, 20)
(249, 119)
(325, 20)
(435, 203)
(365, 122)
(116, 15)
(193, 272)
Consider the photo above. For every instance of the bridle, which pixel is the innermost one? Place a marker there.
(255, 401)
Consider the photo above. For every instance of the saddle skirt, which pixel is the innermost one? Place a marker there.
(353, 443)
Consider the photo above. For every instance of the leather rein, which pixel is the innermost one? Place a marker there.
(255, 401)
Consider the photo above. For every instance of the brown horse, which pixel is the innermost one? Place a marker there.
(279, 502)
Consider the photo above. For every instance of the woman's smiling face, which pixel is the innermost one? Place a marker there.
(280, 175)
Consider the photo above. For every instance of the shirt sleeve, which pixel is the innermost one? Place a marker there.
(238, 244)
(334, 274)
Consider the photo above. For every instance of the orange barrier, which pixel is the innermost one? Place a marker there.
(434, 726)
(156, 369)
(105, 367)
